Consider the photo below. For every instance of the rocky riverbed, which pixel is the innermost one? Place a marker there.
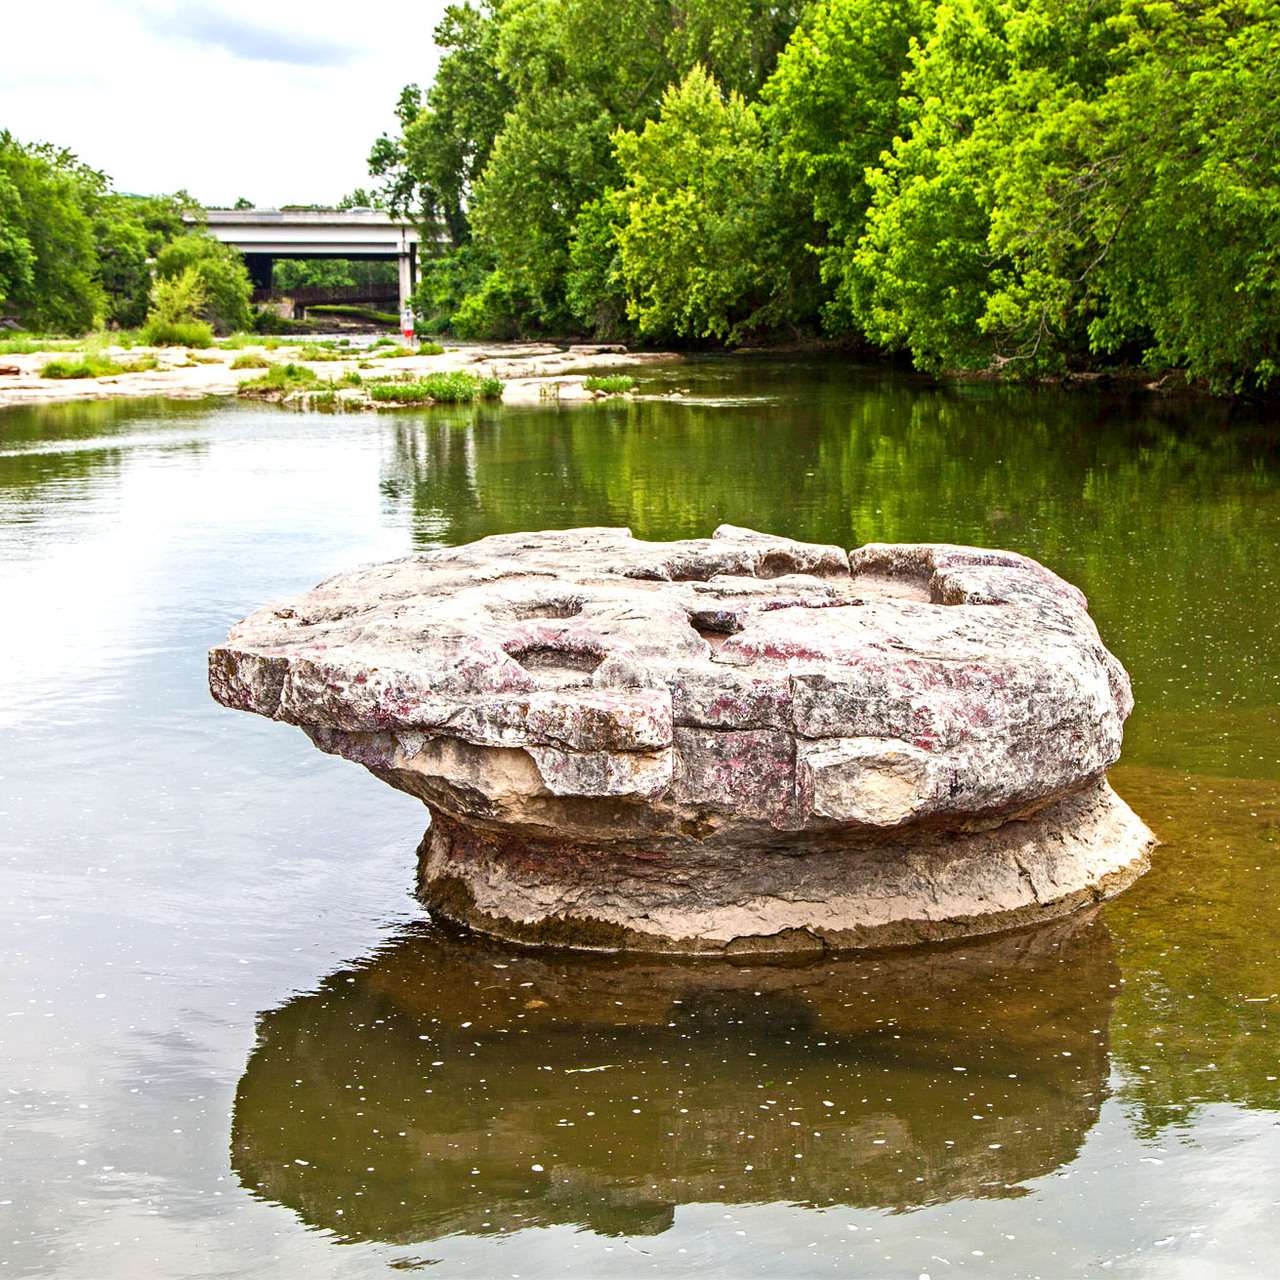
(529, 372)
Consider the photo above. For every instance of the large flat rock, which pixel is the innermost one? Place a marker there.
(739, 699)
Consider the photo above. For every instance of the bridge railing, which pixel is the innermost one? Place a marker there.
(316, 294)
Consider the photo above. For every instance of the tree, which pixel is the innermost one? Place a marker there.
(835, 104)
(446, 135)
(514, 138)
(220, 270)
(47, 251)
(1084, 181)
(129, 232)
(709, 246)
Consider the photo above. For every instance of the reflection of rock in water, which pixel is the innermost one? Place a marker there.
(447, 1088)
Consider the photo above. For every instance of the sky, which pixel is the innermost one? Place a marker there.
(277, 102)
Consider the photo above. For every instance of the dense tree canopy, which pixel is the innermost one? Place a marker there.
(515, 139)
(707, 239)
(48, 263)
(73, 252)
(1025, 185)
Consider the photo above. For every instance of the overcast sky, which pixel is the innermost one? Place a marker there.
(276, 101)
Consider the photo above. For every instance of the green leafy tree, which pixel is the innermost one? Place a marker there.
(48, 256)
(514, 138)
(1081, 182)
(595, 289)
(221, 271)
(709, 246)
(1165, 231)
(738, 42)
(581, 69)
(129, 233)
(834, 104)
(447, 135)
(17, 257)
(360, 198)
(308, 273)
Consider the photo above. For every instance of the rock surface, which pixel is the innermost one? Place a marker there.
(741, 742)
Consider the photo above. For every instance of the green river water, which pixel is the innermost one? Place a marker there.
(234, 1045)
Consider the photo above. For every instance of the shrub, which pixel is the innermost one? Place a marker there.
(174, 317)
(612, 385)
(498, 309)
(459, 387)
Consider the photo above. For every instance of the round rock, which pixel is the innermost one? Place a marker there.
(734, 744)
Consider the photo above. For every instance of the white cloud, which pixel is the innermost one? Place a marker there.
(252, 41)
(277, 101)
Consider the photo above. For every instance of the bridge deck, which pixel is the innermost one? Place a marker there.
(263, 235)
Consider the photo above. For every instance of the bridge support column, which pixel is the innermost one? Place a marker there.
(259, 266)
(408, 274)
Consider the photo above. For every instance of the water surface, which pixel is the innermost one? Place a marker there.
(234, 1045)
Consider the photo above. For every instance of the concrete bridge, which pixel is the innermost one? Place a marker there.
(263, 235)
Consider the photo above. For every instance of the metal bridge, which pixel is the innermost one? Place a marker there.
(263, 235)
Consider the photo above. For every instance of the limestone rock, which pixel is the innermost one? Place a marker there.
(740, 716)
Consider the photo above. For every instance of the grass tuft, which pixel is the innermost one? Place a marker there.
(614, 384)
(282, 378)
(93, 366)
(459, 387)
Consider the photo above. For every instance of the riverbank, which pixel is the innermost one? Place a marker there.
(530, 372)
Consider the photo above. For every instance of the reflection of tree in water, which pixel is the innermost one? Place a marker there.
(456, 1085)
(1162, 511)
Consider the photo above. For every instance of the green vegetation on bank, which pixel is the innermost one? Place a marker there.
(75, 255)
(353, 313)
(1025, 186)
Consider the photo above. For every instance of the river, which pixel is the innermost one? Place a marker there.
(234, 1044)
